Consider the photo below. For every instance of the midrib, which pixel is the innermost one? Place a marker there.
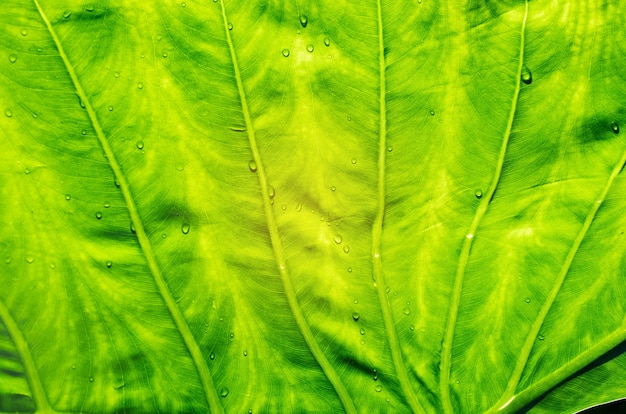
(277, 247)
(188, 338)
(446, 357)
(377, 227)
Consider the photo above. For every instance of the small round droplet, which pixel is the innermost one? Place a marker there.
(224, 392)
(245, 353)
(615, 127)
(109, 264)
(110, 108)
(406, 311)
(185, 228)
(230, 26)
(527, 300)
(90, 8)
(8, 113)
(30, 259)
(527, 76)
(541, 337)
(231, 336)
(356, 316)
(24, 32)
(375, 371)
(73, 366)
(412, 327)
(139, 85)
(362, 331)
(432, 112)
(389, 148)
(212, 356)
(349, 270)
(327, 41)
(271, 192)
(346, 249)
(286, 52)
(252, 166)
(353, 160)
(99, 215)
(107, 204)
(338, 239)
(310, 48)
(132, 228)
(304, 20)
(116, 74)
(478, 193)
(333, 188)
(90, 379)
(183, 4)
(378, 388)
(139, 144)
(68, 197)
(67, 14)
(164, 55)
(283, 207)
(83, 132)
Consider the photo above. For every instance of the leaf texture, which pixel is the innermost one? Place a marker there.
(312, 206)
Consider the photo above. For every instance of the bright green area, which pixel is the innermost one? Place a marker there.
(312, 206)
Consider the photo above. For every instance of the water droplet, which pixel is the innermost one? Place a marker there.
(356, 316)
(378, 388)
(99, 215)
(332, 188)
(34, 115)
(310, 48)
(362, 331)
(338, 239)
(304, 20)
(615, 127)
(90, 379)
(478, 193)
(432, 112)
(541, 337)
(117, 183)
(252, 165)
(8, 113)
(406, 311)
(212, 356)
(164, 235)
(353, 160)
(183, 4)
(286, 52)
(470, 236)
(230, 26)
(458, 381)
(346, 248)
(271, 192)
(356, 301)
(389, 148)
(107, 204)
(24, 32)
(231, 336)
(224, 392)
(109, 263)
(283, 207)
(375, 371)
(164, 55)
(245, 353)
(527, 300)
(90, 8)
(527, 76)
(68, 197)
(185, 228)
(349, 270)
(139, 85)
(132, 228)
(116, 74)
(327, 41)
(412, 327)
(53, 266)
(73, 366)
(67, 14)
(30, 259)
(84, 132)
(139, 144)
(110, 108)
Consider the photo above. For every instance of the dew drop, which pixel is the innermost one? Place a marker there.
(333, 188)
(230, 26)
(231, 336)
(90, 379)
(68, 197)
(8, 113)
(183, 4)
(338, 239)
(375, 371)
(109, 264)
(406, 311)
(478, 193)
(304, 20)
(615, 127)
(432, 112)
(527, 300)
(346, 248)
(378, 388)
(310, 48)
(283, 207)
(412, 327)
(139, 144)
(224, 392)
(541, 337)
(362, 331)
(252, 166)
(67, 14)
(73, 366)
(53, 266)
(245, 353)
(185, 228)
(271, 192)
(470, 236)
(30, 259)
(349, 270)
(99, 215)
(353, 161)
(110, 108)
(389, 148)
(90, 8)
(327, 41)
(527, 76)
(139, 85)
(107, 204)
(24, 32)
(458, 381)
(132, 228)
(212, 356)
(286, 52)
(164, 55)
(116, 74)
(84, 132)
(356, 316)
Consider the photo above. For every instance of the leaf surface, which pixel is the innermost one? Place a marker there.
(312, 206)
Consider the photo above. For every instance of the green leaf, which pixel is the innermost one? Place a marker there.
(312, 206)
